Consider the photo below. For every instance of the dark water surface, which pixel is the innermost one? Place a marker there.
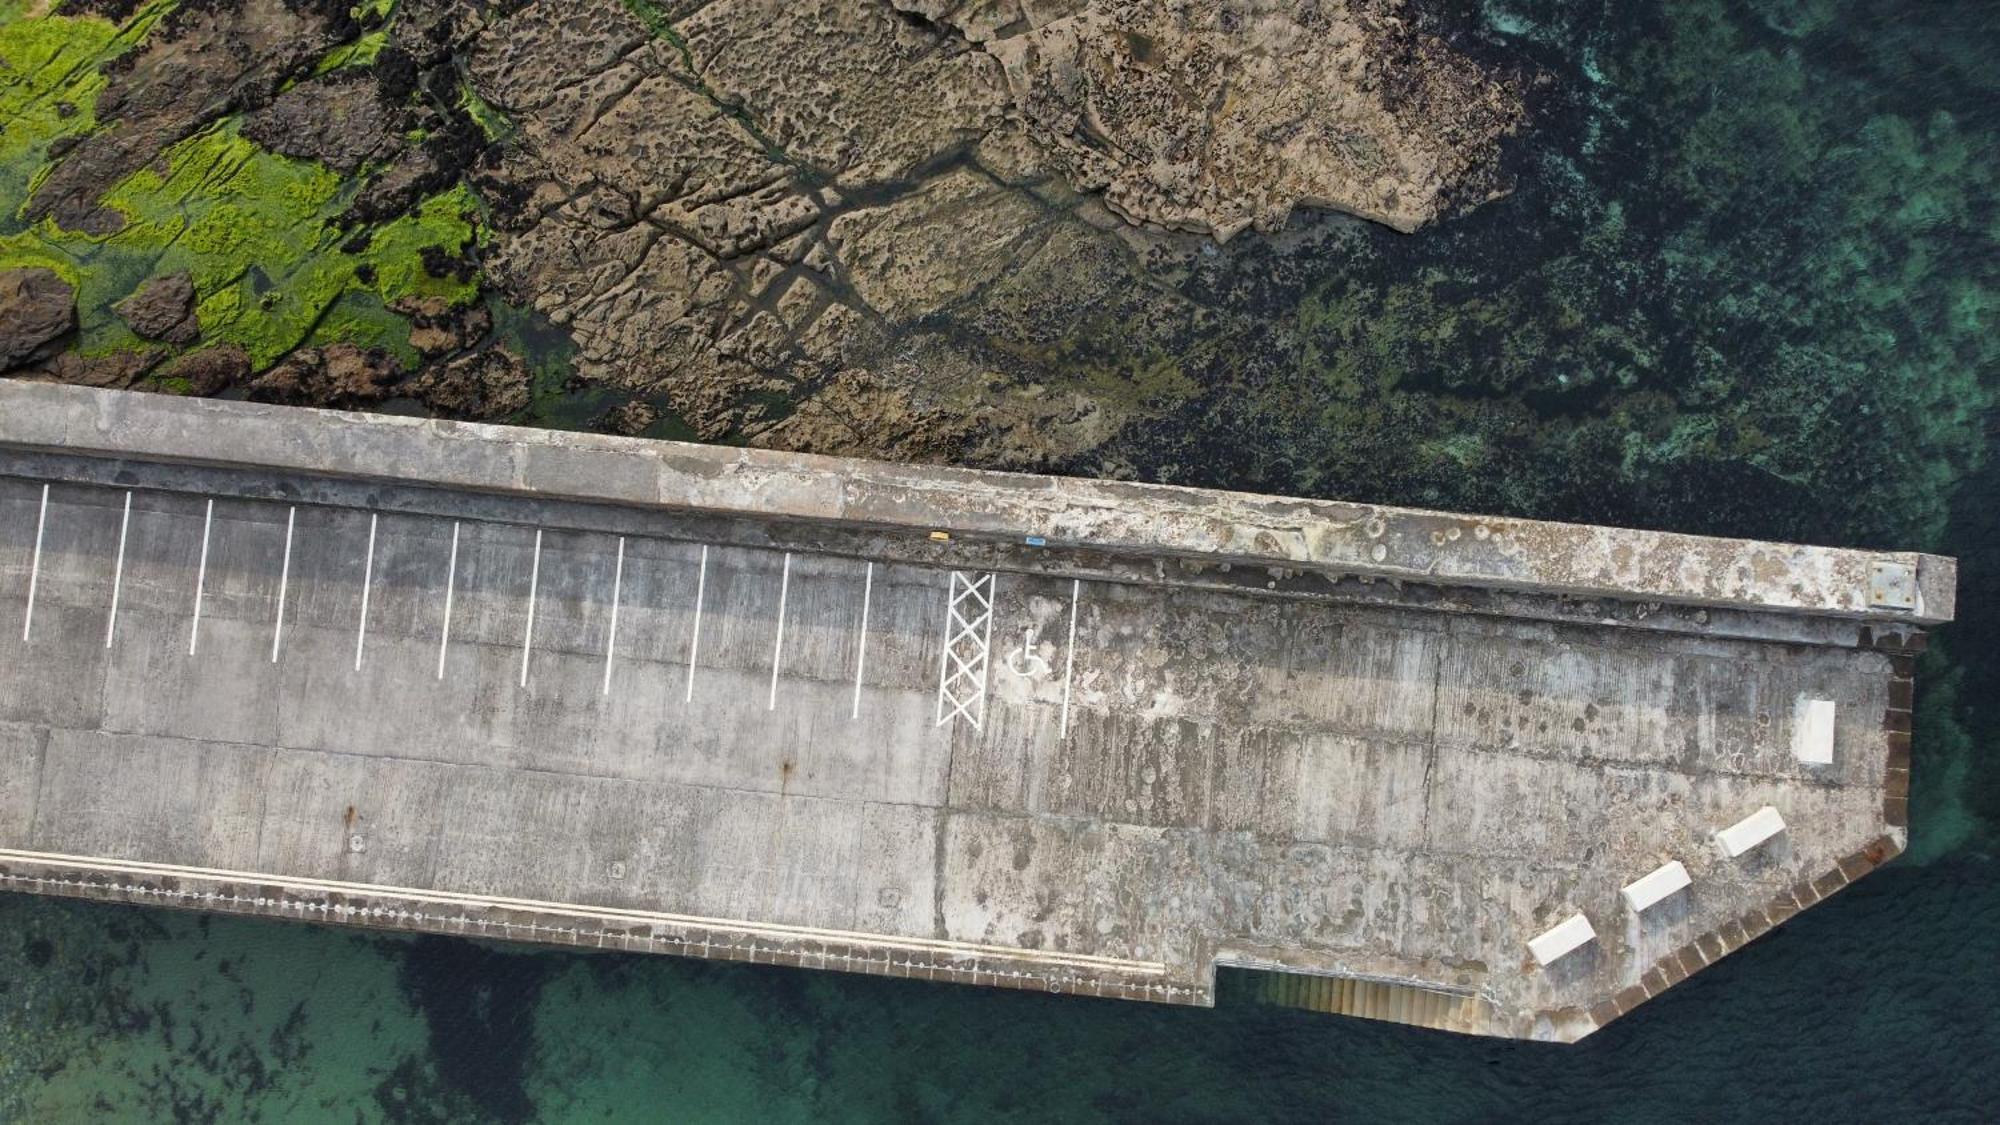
(1749, 282)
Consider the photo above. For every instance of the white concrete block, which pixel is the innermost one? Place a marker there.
(1749, 832)
(1649, 890)
(1812, 731)
(1563, 938)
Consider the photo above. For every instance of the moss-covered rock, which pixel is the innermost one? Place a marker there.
(305, 241)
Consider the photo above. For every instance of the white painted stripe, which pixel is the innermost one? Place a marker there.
(35, 567)
(201, 577)
(944, 649)
(367, 588)
(778, 650)
(1069, 657)
(534, 591)
(284, 584)
(118, 571)
(450, 588)
(694, 641)
(861, 640)
(617, 594)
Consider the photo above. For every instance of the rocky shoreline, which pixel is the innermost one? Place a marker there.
(904, 228)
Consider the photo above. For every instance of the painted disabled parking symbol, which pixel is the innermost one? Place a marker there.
(1025, 662)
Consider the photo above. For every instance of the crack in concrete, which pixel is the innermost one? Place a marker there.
(1431, 751)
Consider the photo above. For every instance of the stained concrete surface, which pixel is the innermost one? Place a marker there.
(1370, 790)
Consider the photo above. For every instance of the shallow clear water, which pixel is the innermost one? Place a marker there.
(1749, 282)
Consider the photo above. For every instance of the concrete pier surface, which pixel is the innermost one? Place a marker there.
(1074, 736)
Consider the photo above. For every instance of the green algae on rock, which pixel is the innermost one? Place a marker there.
(282, 251)
(257, 233)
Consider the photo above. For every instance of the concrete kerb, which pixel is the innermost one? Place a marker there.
(1152, 521)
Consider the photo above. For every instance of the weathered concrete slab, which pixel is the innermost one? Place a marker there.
(1151, 521)
(721, 704)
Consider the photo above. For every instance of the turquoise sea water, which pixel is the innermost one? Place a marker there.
(1749, 281)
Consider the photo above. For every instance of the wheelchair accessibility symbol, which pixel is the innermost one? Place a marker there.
(1025, 662)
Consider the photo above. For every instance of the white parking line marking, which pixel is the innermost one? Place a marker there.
(617, 594)
(284, 584)
(118, 571)
(1069, 656)
(944, 648)
(450, 587)
(778, 650)
(35, 567)
(534, 590)
(367, 587)
(861, 640)
(694, 641)
(201, 577)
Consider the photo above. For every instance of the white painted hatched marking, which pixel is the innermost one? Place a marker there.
(968, 648)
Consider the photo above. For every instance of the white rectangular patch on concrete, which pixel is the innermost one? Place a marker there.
(1812, 731)
(1649, 890)
(1749, 832)
(1565, 937)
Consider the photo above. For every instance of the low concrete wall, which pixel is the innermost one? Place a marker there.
(1140, 520)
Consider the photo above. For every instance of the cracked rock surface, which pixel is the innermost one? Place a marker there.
(37, 309)
(1212, 117)
(1000, 233)
(891, 228)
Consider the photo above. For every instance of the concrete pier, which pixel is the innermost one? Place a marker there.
(1073, 736)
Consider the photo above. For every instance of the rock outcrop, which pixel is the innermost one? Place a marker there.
(37, 310)
(867, 227)
(486, 385)
(335, 375)
(200, 63)
(208, 370)
(1219, 115)
(916, 229)
(163, 309)
(341, 120)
